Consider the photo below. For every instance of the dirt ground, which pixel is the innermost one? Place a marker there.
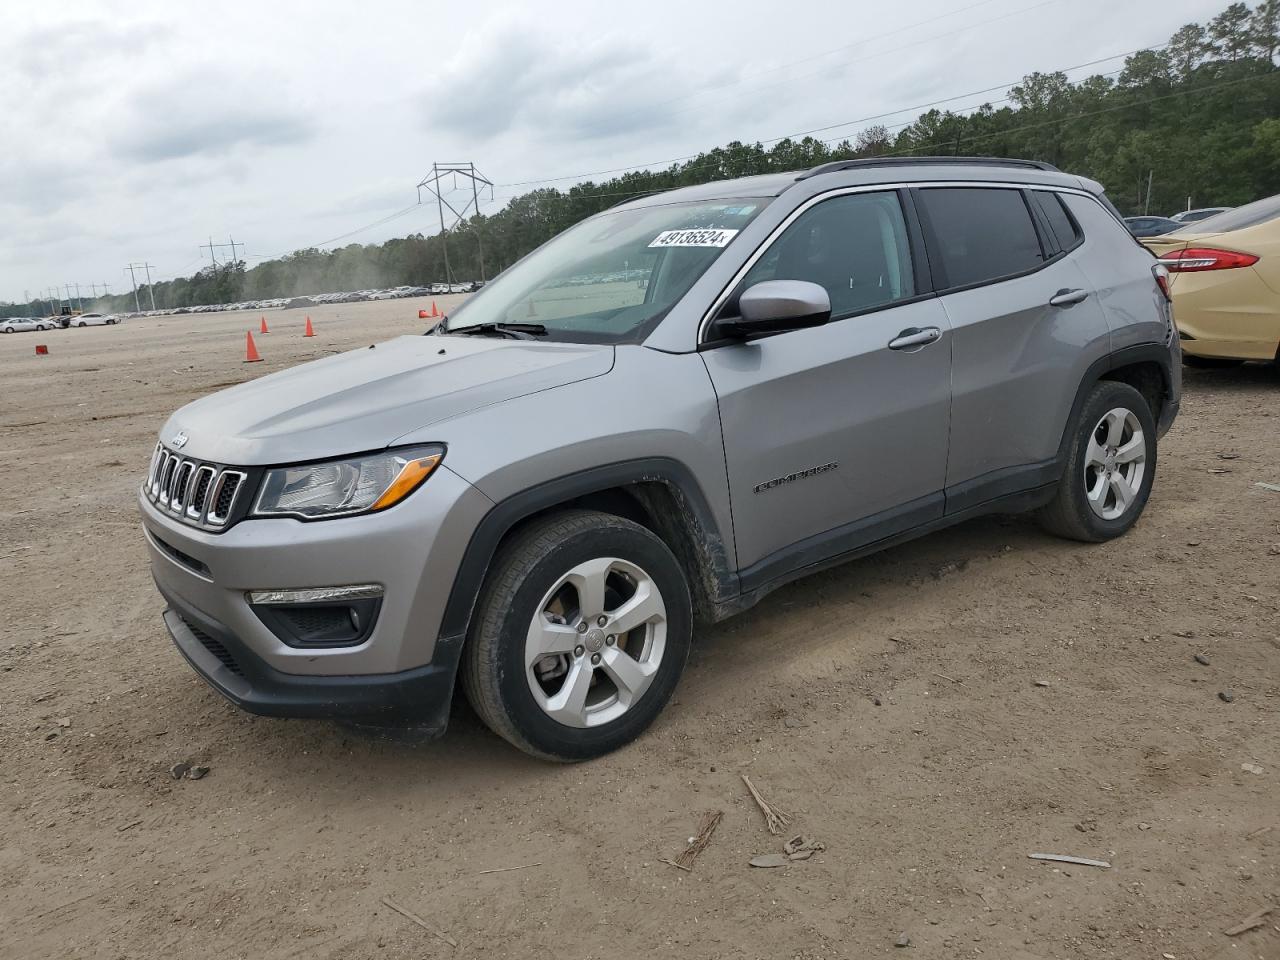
(933, 715)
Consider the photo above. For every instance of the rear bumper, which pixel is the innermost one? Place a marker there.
(1229, 314)
(421, 696)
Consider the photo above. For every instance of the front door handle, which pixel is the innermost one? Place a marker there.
(915, 337)
(1068, 298)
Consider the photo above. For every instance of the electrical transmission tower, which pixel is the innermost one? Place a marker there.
(432, 183)
(211, 246)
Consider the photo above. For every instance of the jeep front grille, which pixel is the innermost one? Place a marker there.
(201, 493)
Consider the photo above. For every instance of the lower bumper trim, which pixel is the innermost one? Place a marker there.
(420, 697)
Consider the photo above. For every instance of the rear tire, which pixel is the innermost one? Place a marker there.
(1110, 467)
(582, 632)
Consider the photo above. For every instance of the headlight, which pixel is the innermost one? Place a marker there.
(340, 488)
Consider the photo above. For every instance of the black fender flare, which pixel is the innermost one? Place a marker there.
(1126, 356)
(718, 580)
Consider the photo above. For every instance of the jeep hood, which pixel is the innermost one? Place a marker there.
(366, 399)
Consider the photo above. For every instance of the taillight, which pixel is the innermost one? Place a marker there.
(1161, 273)
(1195, 259)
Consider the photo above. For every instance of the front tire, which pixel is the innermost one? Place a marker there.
(582, 632)
(1110, 467)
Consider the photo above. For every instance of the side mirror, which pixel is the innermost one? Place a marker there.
(776, 306)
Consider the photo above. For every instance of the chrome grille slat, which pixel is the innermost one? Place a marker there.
(227, 479)
(181, 485)
(161, 460)
(202, 494)
(166, 480)
(202, 483)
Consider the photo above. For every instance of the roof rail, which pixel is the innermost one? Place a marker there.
(836, 165)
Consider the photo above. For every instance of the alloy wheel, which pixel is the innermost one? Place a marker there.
(1115, 463)
(596, 642)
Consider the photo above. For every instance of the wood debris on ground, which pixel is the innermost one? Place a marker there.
(1251, 922)
(1062, 858)
(413, 917)
(775, 819)
(710, 820)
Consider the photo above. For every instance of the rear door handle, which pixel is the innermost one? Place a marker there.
(915, 337)
(1068, 298)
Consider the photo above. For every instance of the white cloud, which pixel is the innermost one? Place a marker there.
(135, 130)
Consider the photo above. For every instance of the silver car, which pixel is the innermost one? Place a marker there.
(540, 500)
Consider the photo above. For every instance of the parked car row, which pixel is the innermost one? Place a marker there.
(346, 296)
(28, 324)
(1142, 227)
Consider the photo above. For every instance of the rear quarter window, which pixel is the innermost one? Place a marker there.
(978, 234)
(1063, 228)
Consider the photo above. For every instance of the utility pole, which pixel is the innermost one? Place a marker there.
(432, 182)
(150, 286)
(233, 248)
(79, 299)
(135, 287)
(211, 254)
(151, 290)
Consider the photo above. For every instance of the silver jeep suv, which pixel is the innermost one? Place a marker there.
(653, 420)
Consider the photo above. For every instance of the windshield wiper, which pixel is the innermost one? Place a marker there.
(516, 331)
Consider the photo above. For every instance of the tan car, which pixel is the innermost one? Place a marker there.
(1225, 278)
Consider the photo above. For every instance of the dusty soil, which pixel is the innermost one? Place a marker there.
(891, 706)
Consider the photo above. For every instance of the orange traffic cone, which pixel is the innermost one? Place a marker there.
(250, 351)
(262, 326)
(423, 315)
(310, 332)
(434, 311)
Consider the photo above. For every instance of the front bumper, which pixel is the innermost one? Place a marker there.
(403, 668)
(421, 696)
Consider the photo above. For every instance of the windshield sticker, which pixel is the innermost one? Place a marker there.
(693, 238)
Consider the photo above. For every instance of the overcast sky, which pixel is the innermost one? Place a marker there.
(135, 131)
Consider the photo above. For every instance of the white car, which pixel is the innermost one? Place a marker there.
(19, 324)
(93, 320)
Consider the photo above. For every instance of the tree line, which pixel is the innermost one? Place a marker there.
(1194, 121)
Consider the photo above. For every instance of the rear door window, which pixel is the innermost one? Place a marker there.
(977, 234)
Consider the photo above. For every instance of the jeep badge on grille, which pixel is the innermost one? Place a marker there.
(180, 440)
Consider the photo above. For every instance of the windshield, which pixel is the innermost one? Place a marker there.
(1250, 215)
(612, 278)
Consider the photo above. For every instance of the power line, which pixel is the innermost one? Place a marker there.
(1082, 116)
(825, 53)
(638, 167)
(880, 53)
(951, 99)
(845, 123)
